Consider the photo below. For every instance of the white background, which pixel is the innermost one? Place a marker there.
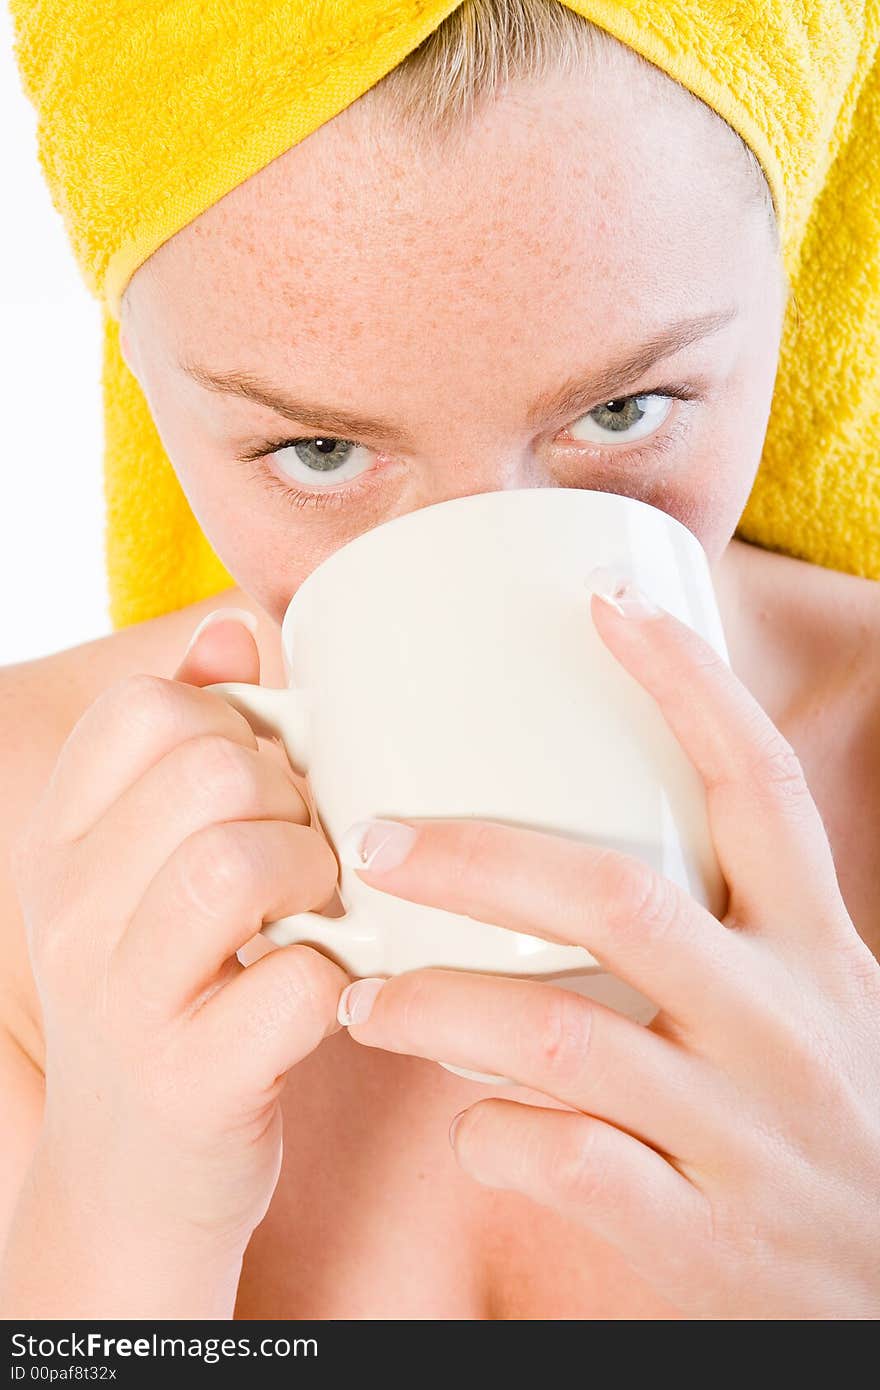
(53, 590)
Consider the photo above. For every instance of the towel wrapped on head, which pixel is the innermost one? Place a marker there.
(148, 113)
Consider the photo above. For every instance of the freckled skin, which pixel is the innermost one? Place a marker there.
(446, 290)
(446, 293)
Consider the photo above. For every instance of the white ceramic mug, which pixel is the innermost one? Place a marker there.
(445, 663)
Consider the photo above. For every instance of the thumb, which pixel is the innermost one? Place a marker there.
(222, 648)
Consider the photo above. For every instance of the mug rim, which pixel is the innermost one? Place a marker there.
(618, 499)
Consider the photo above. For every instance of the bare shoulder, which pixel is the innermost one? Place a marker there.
(807, 632)
(808, 646)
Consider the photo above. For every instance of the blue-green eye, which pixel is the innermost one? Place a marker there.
(322, 460)
(622, 421)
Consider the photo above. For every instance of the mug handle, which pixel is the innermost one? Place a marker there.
(262, 707)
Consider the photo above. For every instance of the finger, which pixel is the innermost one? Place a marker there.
(205, 781)
(212, 895)
(128, 729)
(274, 1013)
(768, 833)
(556, 1042)
(224, 647)
(638, 924)
(224, 642)
(593, 1174)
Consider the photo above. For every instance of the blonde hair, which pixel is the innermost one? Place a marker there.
(485, 44)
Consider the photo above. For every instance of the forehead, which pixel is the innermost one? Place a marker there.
(584, 208)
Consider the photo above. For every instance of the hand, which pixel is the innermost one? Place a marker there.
(164, 838)
(730, 1150)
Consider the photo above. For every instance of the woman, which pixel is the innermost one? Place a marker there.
(434, 317)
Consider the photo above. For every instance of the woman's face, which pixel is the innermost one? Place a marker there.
(396, 329)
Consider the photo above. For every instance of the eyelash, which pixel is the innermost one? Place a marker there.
(301, 497)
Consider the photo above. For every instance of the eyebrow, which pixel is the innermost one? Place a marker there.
(576, 394)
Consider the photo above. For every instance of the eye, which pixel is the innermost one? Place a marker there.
(322, 461)
(625, 420)
(334, 471)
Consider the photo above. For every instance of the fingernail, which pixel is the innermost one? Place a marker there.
(376, 844)
(239, 615)
(356, 1001)
(616, 588)
(456, 1121)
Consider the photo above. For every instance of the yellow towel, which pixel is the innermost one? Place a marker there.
(150, 112)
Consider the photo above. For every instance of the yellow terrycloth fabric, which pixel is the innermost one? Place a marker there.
(150, 112)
